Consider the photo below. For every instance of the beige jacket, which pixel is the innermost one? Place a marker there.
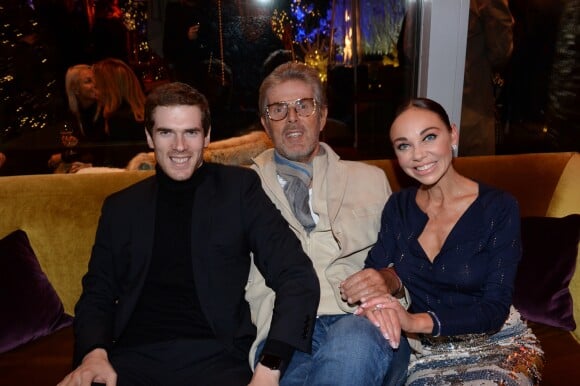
(350, 197)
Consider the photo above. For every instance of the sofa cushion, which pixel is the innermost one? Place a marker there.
(549, 250)
(238, 150)
(30, 306)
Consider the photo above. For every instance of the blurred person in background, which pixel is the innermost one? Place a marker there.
(107, 103)
(121, 100)
(83, 104)
(184, 35)
(83, 121)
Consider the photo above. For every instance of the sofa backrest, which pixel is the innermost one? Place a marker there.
(545, 184)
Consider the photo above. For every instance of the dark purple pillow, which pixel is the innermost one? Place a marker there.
(549, 250)
(30, 306)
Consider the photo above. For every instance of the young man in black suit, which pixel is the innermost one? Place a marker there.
(163, 299)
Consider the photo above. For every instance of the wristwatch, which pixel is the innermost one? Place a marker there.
(272, 362)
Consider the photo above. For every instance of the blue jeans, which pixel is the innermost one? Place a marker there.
(347, 350)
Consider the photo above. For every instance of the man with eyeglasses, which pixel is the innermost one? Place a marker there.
(334, 208)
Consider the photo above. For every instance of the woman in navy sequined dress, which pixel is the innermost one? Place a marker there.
(455, 245)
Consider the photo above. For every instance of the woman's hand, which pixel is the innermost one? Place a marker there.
(419, 323)
(386, 318)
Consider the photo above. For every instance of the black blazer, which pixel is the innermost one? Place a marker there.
(232, 216)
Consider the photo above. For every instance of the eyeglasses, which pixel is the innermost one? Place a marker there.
(304, 107)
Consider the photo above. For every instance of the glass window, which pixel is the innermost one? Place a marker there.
(371, 54)
(538, 103)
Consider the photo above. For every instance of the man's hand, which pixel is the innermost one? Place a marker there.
(264, 376)
(94, 368)
(366, 284)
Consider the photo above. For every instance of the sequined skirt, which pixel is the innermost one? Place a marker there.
(511, 356)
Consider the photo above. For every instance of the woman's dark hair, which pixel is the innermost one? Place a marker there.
(425, 104)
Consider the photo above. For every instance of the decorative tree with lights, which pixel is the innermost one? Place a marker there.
(307, 27)
(27, 71)
(324, 30)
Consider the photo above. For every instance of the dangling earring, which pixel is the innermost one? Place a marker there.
(454, 150)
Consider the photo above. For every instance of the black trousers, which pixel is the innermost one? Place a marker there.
(179, 363)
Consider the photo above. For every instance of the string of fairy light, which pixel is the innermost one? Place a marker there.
(221, 41)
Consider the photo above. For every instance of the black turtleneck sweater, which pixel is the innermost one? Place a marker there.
(169, 307)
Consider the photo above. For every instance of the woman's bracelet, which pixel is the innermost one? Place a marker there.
(436, 324)
(392, 272)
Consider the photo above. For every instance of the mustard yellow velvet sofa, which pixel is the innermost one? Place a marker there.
(59, 214)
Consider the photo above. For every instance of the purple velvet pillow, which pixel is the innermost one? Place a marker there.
(30, 306)
(549, 250)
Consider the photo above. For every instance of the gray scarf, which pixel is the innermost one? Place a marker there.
(298, 177)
